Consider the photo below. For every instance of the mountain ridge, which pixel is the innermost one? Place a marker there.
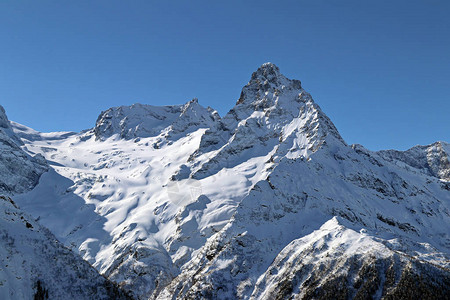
(177, 201)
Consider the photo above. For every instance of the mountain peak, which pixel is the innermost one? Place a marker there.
(267, 71)
(142, 120)
(267, 79)
(271, 73)
(4, 122)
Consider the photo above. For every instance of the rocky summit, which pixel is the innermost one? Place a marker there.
(177, 202)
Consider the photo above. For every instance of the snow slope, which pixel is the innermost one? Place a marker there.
(34, 263)
(177, 202)
(347, 264)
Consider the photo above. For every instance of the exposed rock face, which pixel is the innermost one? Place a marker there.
(19, 171)
(267, 202)
(4, 122)
(432, 160)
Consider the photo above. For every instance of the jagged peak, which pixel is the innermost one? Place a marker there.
(273, 94)
(267, 71)
(6, 129)
(192, 104)
(4, 122)
(267, 79)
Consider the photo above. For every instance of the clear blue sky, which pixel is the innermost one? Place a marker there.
(379, 69)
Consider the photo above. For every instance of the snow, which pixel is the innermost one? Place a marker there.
(330, 241)
(175, 199)
(30, 253)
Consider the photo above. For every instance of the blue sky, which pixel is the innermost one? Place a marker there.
(379, 69)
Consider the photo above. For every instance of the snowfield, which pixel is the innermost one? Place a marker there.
(31, 257)
(266, 202)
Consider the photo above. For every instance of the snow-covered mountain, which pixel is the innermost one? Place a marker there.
(145, 120)
(33, 263)
(266, 202)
